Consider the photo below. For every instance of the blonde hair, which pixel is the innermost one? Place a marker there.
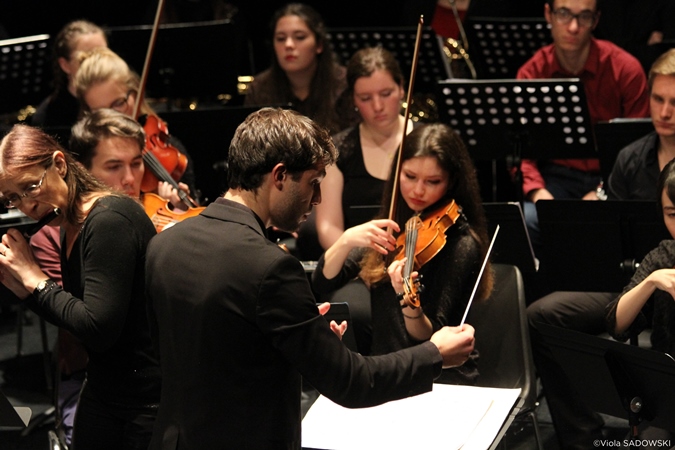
(664, 65)
(101, 65)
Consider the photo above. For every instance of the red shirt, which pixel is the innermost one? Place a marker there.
(615, 86)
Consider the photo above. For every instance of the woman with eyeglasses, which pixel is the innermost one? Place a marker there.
(104, 80)
(104, 235)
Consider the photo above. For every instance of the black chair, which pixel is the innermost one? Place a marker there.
(503, 342)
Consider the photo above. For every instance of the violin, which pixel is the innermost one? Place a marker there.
(422, 240)
(161, 215)
(166, 162)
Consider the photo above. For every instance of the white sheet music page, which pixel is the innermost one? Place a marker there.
(449, 417)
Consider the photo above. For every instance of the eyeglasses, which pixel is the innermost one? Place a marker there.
(119, 104)
(564, 16)
(32, 191)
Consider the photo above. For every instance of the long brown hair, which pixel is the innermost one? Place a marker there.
(441, 142)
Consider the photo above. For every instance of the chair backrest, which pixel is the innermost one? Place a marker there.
(502, 336)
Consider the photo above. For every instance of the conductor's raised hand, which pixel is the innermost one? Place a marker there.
(455, 344)
(339, 330)
(372, 234)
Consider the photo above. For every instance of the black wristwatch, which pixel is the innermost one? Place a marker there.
(44, 286)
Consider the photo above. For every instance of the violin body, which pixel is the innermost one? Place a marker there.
(431, 233)
(169, 157)
(422, 240)
(161, 215)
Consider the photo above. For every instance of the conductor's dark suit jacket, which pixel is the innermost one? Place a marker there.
(237, 326)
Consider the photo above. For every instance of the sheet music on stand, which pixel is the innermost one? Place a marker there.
(400, 41)
(25, 71)
(500, 46)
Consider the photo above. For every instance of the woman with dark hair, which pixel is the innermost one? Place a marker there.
(647, 301)
(304, 70)
(435, 170)
(104, 235)
(375, 88)
(61, 108)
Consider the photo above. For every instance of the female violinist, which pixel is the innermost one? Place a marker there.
(304, 69)
(104, 80)
(102, 300)
(435, 169)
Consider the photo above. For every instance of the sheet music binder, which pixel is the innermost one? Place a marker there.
(432, 64)
(500, 46)
(537, 119)
(25, 71)
(620, 373)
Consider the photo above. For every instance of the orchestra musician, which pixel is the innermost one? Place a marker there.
(104, 80)
(304, 71)
(435, 169)
(109, 145)
(633, 177)
(366, 152)
(62, 108)
(236, 335)
(102, 301)
(647, 301)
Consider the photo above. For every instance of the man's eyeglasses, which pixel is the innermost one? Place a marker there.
(119, 104)
(564, 16)
(32, 191)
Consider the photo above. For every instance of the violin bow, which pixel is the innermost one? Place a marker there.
(148, 57)
(480, 275)
(411, 83)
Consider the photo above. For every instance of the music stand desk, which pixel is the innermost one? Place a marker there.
(609, 374)
(594, 245)
(432, 64)
(612, 136)
(500, 46)
(513, 245)
(536, 119)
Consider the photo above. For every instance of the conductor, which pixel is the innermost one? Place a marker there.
(235, 320)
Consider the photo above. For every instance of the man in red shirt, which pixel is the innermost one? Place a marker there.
(615, 86)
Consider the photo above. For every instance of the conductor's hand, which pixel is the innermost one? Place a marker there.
(455, 344)
(339, 330)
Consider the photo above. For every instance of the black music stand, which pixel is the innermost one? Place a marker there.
(25, 71)
(12, 417)
(595, 246)
(614, 135)
(500, 46)
(432, 64)
(514, 246)
(515, 119)
(190, 60)
(614, 378)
